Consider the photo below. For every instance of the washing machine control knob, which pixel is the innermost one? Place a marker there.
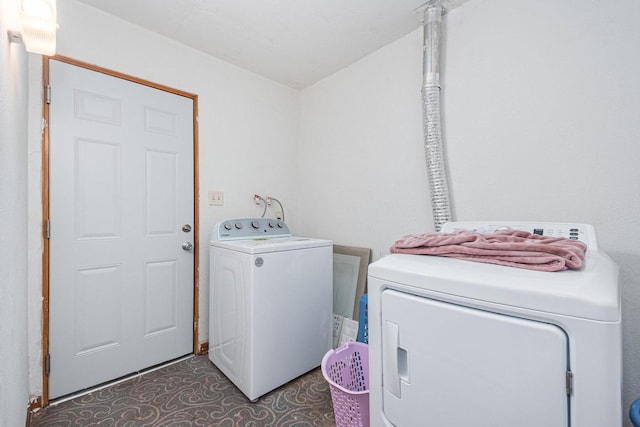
(280, 224)
(227, 226)
(272, 224)
(239, 225)
(255, 224)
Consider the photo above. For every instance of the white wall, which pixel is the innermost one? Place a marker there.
(247, 130)
(541, 102)
(361, 159)
(14, 385)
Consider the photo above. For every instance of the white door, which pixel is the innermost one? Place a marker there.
(455, 366)
(121, 190)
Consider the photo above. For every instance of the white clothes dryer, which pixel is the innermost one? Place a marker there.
(270, 303)
(457, 343)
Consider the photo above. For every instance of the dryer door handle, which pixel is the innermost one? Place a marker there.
(390, 374)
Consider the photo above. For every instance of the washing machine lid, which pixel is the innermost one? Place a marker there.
(266, 245)
(260, 235)
(592, 292)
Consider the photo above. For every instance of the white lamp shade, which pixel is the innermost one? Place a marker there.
(38, 20)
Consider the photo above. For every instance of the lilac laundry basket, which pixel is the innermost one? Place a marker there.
(346, 369)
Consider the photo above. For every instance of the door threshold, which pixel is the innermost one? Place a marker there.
(118, 380)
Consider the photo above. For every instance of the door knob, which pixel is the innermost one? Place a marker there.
(187, 246)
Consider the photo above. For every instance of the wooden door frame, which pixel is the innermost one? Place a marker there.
(197, 349)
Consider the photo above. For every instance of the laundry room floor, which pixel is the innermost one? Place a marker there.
(193, 392)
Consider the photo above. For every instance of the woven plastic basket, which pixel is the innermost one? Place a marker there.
(346, 369)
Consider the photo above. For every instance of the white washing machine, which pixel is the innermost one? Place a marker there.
(270, 303)
(457, 343)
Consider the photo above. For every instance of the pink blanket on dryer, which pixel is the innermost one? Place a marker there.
(512, 248)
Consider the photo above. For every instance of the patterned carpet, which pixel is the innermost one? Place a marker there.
(193, 392)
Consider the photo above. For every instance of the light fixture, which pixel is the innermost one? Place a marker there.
(38, 22)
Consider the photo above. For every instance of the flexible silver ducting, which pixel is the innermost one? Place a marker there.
(434, 153)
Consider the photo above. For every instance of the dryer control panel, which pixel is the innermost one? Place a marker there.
(250, 228)
(584, 233)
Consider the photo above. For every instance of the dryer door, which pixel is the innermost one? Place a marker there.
(449, 365)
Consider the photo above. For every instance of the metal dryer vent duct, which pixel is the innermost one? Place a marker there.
(431, 14)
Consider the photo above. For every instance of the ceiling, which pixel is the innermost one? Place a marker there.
(295, 42)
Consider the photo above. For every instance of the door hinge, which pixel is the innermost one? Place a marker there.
(47, 364)
(48, 94)
(47, 229)
(569, 383)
